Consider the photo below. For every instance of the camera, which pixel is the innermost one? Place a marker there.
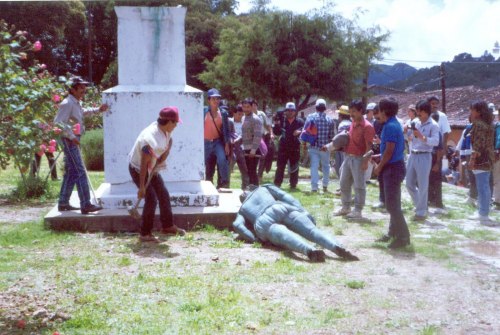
(413, 126)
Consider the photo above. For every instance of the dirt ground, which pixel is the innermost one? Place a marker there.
(403, 290)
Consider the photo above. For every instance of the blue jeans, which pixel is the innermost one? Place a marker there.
(393, 174)
(351, 174)
(155, 192)
(417, 180)
(316, 156)
(74, 174)
(215, 154)
(283, 225)
(483, 192)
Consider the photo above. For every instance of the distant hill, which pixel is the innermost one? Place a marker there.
(464, 70)
(384, 75)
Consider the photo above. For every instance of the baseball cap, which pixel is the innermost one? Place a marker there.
(290, 106)
(213, 92)
(371, 106)
(320, 102)
(170, 113)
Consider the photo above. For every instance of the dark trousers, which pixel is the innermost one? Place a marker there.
(266, 162)
(239, 159)
(155, 192)
(35, 165)
(435, 186)
(392, 175)
(381, 192)
(252, 163)
(285, 156)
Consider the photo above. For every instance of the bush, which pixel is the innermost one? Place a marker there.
(92, 146)
(31, 187)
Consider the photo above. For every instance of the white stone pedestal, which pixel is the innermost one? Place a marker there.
(152, 75)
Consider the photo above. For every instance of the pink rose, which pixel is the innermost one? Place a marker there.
(56, 98)
(57, 130)
(43, 147)
(51, 149)
(43, 66)
(37, 46)
(52, 143)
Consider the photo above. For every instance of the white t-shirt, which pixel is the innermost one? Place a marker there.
(157, 140)
(444, 125)
(237, 127)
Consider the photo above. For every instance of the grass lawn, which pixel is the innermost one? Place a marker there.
(208, 283)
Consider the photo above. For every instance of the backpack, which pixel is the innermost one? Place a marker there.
(497, 136)
(310, 132)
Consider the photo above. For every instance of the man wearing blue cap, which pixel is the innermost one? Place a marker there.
(217, 140)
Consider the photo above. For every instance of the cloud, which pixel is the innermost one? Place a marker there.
(424, 30)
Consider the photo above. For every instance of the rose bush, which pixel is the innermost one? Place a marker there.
(28, 98)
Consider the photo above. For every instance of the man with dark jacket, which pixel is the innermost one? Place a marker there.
(289, 145)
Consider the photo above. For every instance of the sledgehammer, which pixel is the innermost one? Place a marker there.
(132, 210)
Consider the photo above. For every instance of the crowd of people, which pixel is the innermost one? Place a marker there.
(416, 157)
(367, 142)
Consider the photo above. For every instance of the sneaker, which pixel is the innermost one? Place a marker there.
(90, 209)
(355, 214)
(399, 243)
(341, 252)
(325, 189)
(419, 218)
(148, 238)
(173, 230)
(317, 256)
(342, 212)
(62, 208)
(338, 192)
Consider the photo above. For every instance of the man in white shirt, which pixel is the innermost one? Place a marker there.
(435, 179)
(146, 158)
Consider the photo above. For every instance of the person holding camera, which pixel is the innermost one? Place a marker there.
(424, 136)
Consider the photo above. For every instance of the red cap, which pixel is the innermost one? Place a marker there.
(170, 113)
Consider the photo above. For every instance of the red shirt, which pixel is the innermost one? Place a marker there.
(360, 137)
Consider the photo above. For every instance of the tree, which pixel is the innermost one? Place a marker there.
(58, 25)
(279, 56)
(27, 96)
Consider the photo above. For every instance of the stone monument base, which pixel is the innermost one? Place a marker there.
(119, 220)
(182, 194)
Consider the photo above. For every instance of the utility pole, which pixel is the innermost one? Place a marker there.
(443, 88)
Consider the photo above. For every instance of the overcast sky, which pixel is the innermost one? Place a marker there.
(421, 30)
